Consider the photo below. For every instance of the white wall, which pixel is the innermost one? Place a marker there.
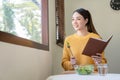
(56, 51)
(106, 21)
(23, 63)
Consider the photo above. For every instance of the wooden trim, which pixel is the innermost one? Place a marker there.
(45, 37)
(9, 38)
(59, 5)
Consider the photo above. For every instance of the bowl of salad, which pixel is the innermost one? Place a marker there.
(84, 69)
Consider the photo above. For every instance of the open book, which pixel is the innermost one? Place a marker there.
(95, 45)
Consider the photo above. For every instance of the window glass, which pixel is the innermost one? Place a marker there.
(24, 21)
(21, 18)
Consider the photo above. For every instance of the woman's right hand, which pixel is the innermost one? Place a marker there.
(73, 60)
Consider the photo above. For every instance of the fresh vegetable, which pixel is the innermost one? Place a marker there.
(68, 45)
(84, 70)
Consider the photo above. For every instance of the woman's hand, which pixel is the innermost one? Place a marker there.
(97, 58)
(73, 60)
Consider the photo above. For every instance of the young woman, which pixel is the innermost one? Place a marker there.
(75, 43)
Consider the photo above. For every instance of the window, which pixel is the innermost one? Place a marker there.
(24, 22)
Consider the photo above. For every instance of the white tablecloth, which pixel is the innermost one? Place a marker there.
(84, 77)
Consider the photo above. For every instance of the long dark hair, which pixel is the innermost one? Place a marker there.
(86, 14)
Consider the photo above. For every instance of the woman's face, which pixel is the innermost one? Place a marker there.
(78, 21)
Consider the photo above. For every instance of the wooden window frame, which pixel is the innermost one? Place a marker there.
(9, 38)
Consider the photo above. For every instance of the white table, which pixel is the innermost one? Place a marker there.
(84, 77)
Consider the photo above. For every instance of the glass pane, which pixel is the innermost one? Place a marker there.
(21, 18)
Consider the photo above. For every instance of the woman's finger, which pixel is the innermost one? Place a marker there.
(98, 54)
(97, 59)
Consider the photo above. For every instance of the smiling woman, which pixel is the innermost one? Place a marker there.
(23, 23)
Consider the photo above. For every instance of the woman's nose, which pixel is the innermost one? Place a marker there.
(75, 21)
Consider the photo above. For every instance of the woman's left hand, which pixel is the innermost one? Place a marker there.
(97, 58)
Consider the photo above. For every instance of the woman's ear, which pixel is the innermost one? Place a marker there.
(86, 20)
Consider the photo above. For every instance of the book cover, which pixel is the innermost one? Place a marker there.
(95, 45)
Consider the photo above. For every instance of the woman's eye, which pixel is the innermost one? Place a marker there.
(78, 19)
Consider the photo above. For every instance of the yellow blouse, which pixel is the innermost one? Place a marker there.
(77, 44)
